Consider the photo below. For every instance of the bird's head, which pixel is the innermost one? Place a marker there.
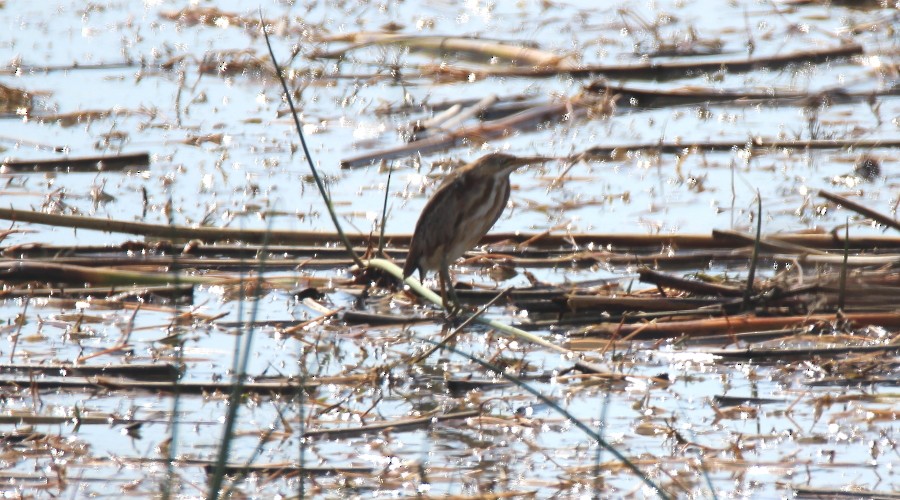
(504, 164)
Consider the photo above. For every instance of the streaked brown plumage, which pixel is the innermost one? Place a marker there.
(460, 213)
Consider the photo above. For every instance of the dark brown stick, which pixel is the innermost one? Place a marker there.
(783, 353)
(856, 207)
(657, 98)
(141, 371)
(395, 425)
(758, 145)
(693, 286)
(747, 323)
(680, 241)
(81, 164)
(120, 384)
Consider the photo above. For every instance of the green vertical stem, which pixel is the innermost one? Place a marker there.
(173, 446)
(387, 192)
(754, 260)
(556, 407)
(842, 293)
(312, 167)
(242, 355)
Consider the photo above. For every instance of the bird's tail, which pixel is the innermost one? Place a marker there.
(409, 267)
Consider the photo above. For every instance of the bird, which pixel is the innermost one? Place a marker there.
(459, 214)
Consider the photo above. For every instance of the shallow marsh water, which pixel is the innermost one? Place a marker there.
(108, 56)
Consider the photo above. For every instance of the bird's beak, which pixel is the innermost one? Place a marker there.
(529, 160)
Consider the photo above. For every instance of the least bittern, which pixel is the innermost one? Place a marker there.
(459, 214)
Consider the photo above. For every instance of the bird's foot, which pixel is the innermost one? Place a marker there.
(452, 311)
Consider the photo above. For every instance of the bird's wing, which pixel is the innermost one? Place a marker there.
(438, 225)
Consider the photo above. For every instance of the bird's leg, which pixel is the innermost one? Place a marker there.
(453, 306)
(457, 304)
(442, 288)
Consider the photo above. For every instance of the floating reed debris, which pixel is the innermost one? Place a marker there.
(851, 493)
(143, 293)
(211, 16)
(654, 97)
(165, 231)
(768, 244)
(13, 100)
(365, 318)
(396, 425)
(24, 270)
(82, 418)
(272, 471)
(89, 164)
(692, 286)
(553, 111)
(183, 387)
(140, 371)
(536, 63)
(486, 130)
(542, 240)
(77, 117)
(186, 263)
(452, 118)
(781, 352)
(484, 49)
(756, 145)
(733, 324)
(857, 382)
(816, 372)
(518, 102)
(198, 255)
(876, 216)
(655, 69)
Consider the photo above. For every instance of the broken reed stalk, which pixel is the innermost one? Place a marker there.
(20, 322)
(457, 120)
(319, 184)
(415, 285)
(486, 130)
(860, 209)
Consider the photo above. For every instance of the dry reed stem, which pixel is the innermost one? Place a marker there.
(860, 209)
(654, 69)
(738, 324)
(276, 237)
